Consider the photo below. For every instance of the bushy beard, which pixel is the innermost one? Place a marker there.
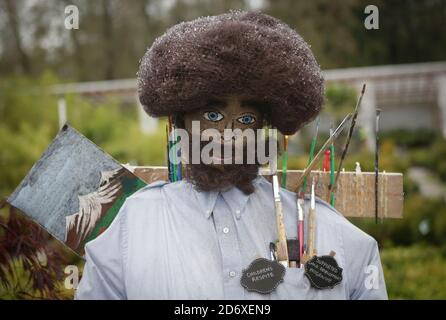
(208, 178)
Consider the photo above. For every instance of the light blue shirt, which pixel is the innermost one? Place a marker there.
(170, 241)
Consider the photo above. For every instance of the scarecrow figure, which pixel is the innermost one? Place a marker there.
(195, 238)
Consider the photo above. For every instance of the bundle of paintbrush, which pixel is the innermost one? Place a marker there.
(173, 152)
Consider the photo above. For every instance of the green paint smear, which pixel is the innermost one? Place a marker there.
(129, 186)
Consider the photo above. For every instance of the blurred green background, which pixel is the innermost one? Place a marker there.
(113, 36)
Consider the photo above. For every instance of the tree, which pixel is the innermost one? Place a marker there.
(14, 23)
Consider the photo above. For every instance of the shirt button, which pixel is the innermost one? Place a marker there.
(232, 274)
(237, 211)
(225, 230)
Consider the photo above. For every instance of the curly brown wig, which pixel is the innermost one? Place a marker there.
(238, 52)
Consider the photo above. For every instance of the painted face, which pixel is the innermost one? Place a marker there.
(227, 112)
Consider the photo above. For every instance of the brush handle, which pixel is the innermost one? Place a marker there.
(282, 249)
(332, 173)
(300, 234)
(311, 243)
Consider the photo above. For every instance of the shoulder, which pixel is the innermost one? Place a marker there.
(149, 205)
(148, 197)
(157, 190)
(149, 191)
(351, 234)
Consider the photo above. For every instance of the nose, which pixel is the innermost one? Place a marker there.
(229, 124)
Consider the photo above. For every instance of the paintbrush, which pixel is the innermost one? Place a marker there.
(313, 146)
(300, 229)
(378, 111)
(332, 168)
(316, 159)
(169, 163)
(347, 143)
(311, 244)
(285, 161)
(282, 249)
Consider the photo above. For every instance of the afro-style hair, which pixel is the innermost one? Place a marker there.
(238, 52)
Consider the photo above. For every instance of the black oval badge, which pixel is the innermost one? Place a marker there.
(262, 276)
(323, 272)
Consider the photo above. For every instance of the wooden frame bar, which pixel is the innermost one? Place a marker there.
(354, 196)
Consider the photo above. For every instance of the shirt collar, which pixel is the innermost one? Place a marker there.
(205, 199)
(236, 200)
(234, 197)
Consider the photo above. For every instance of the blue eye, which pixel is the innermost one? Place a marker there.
(213, 116)
(247, 119)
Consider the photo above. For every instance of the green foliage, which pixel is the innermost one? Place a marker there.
(411, 138)
(20, 286)
(425, 148)
(20, 150)
(31, 263)
(433, 157)
(116, 130)
(340, 100)
(417, 272)
(28, 122)
(27, 100)
(404, 232)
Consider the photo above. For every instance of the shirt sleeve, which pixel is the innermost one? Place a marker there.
(368, 278)
(103, 275)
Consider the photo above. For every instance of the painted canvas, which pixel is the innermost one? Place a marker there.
(75, 189)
